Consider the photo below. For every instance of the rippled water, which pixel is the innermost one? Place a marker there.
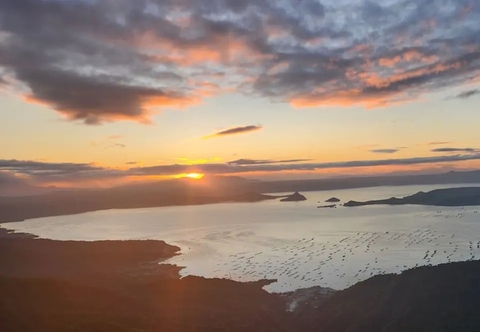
(296, 243)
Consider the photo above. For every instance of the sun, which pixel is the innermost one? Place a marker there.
(193, 176)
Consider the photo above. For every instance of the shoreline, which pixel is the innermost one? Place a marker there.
(116, 286)
(14, 209)
(194, 267)
(29, 256)
(6, 233)
(143, 267)
(121, 286)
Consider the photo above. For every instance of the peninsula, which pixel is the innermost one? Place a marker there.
(466, 196)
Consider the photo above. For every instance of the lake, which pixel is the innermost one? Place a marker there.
(295, 243)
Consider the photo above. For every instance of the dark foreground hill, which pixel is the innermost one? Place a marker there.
(190, 304)
(117, 286)
(439, 298)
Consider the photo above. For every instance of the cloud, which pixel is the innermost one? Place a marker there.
(439, 142)
(12, 185)
(264, 162)
(233, 168)
(99, 61)
(44, 172)
(466, 150)
(79, 66)
(234, 131)
(7, 178)
(29, 166)
(94, 100)
(467, 94)
(385, 151)
(47, 173)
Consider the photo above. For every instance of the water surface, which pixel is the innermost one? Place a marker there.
(296, 243)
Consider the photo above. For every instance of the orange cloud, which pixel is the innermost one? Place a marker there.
(255, 49)
(349, 98)
(219, 50)
(146, 103)
(408, 56)
(374, 89)
(169, 101)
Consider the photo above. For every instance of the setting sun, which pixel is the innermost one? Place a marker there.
(194, 176)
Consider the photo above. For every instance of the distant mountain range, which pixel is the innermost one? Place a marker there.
(372, 181)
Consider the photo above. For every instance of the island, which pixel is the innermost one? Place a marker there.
(332, 200)
(465, 196)
(330, 206)
(295, 197)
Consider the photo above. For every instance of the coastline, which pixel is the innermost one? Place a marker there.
(6, 233)
(161, 224)
(128, 295)
(122, 286)
(28, 256)
(16, 209)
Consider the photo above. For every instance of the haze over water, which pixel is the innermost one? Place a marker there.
(296, 243)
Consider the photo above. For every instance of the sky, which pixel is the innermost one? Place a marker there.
(98, 92)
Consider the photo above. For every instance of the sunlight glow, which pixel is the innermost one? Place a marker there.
(194, 176)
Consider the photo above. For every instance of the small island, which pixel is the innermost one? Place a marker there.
(295, 197)
(466, 196)
(331, 206)
(332, 200)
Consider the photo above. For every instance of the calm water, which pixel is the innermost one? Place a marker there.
(296, 243)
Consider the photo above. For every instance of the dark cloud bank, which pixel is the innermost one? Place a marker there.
(39, 172)
(385, 151)
(456, 150)
(98, 61)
